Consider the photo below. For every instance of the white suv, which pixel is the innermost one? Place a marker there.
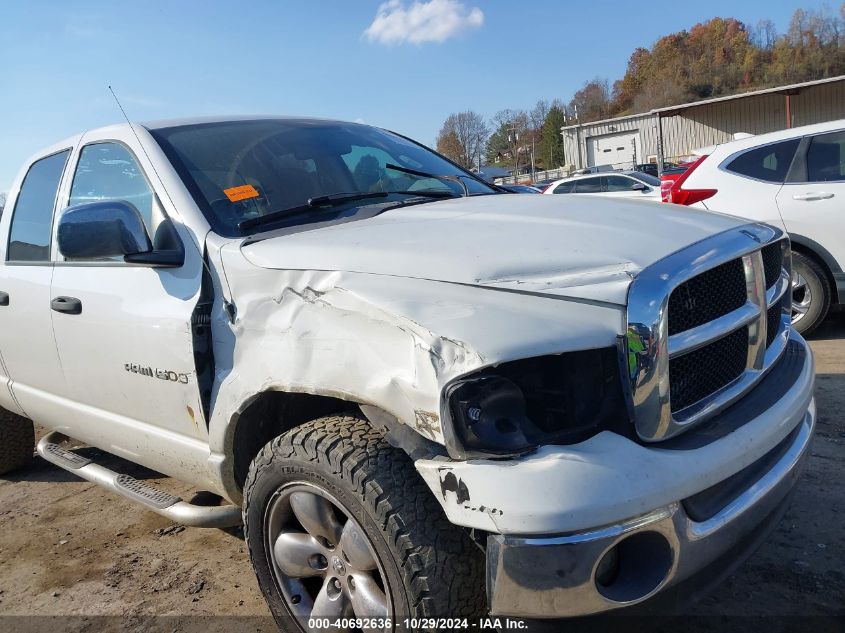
(795, 179)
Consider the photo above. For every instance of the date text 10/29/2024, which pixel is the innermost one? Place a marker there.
(415, 624)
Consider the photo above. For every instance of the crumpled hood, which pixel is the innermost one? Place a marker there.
(577, 247)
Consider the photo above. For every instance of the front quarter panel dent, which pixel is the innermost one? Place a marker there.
(315, 336)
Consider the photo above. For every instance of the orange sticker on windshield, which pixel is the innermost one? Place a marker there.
(244, 192)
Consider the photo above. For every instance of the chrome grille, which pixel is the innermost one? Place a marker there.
(704, 325)
(773, 318)
(772, 262)
(707, 296)
(699, 373)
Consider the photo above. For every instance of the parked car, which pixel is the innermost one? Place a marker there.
(648, 168)
(424, 397)
(794, 179)
(521, 188)
(542, 185)
(668, 177)
(629, 184)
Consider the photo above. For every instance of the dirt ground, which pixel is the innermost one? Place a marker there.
(72, 551)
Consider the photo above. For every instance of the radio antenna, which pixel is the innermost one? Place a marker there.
(117, 101)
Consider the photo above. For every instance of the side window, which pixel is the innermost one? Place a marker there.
(108, 171)
(32, 218)
(826, 157)
(588, 185)
(564, 187)
(769, 163)
(619, 183)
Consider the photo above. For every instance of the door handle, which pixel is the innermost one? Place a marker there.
(813, 195)
(4, 298)
(68, 305)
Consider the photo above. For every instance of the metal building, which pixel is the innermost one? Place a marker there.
(675, 131)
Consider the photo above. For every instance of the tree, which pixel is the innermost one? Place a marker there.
(722, 56)
(551, 147)
(462, 138)
(536, 118)
(592, 102)
(449, 145)
(511, 142)
(2, 202)
(498, 148)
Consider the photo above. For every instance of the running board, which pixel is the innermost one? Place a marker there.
(159, 501)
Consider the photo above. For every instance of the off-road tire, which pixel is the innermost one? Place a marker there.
(432, 567)
(17, 441)
(819, 289)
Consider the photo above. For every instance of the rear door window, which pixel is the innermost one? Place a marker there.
(826, 158)
(32, 218)
(619, 183)
(588, 185)
(769, 163)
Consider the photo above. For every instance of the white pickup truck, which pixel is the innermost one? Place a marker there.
(425, 398)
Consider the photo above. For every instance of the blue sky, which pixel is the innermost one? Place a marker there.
(313, 57)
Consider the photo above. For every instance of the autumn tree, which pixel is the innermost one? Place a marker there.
(462, 138)
(592, 102)
(449, 145)
(719, 57)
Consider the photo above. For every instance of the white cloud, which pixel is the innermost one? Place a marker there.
(420, 22)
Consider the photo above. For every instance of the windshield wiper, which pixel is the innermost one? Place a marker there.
(425, 174)
(329, 201)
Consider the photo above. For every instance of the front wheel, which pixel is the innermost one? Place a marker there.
(810, 294)
(339, 525)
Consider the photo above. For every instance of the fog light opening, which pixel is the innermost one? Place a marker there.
(634, 567)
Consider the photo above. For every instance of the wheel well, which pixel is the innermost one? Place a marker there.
(810, 253)
(272, 413)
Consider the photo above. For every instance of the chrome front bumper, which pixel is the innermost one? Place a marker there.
(628, 563)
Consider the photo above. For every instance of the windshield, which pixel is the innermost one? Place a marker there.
(239, 171)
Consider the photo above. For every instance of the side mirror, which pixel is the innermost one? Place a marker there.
(639, 186)
(100, 230)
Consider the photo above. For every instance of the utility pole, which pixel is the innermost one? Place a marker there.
(578, 138)
(513, 137)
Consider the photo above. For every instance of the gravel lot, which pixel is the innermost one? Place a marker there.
(70, 550)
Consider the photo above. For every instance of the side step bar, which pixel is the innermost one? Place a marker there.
(164, 503)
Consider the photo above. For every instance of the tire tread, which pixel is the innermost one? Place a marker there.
(443, 569)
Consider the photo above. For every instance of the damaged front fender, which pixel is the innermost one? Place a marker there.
(378, 340)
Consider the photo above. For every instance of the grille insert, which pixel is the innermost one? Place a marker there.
(772, 262)
(699, 374)
(772, 323)
(708, 296)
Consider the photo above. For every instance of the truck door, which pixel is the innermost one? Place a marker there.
(33, 377)
(127, 352)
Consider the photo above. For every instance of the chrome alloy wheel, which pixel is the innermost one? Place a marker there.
(322, 560)
(802, 297)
